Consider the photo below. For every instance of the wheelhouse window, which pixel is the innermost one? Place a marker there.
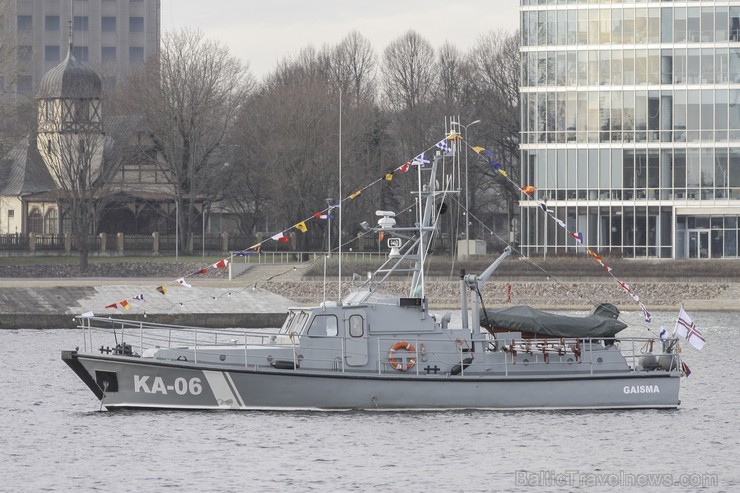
(356, 326)
(324, 325)
(295, 322)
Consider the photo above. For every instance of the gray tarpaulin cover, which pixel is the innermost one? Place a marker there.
(601, 323)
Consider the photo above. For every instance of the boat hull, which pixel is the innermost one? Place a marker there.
(129, 382)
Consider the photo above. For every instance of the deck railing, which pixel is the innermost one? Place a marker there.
(136, 337)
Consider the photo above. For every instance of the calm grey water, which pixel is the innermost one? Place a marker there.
(54, 438)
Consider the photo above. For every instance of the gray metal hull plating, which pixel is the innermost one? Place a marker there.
(141, 383)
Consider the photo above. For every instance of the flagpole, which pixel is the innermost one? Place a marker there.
(341, 207)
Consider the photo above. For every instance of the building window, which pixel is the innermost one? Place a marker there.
(136, 54)
(81, 53)
(108, 54)
(136, 24)
(50, 222)
(49, 107)
(24, 53)
(51, 53)
(35, 221)
(25, 84)
(108, 24)
(51, 23)
(81, 23)
(11, 213)
(25, 23)
(81, 112)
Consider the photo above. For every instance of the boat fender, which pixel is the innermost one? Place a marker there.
(397, 363)
(457, 369)
(282, 364)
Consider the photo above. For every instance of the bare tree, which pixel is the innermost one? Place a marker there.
(75, 160)
(409, 72)
(494, 93)
(191, 99)
(289, 131)
(453, 74)
(353, 65)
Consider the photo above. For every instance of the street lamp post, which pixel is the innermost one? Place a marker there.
(329, 202)
(177, 230)
(467, 209)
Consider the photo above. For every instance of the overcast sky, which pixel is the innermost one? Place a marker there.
(264, 32)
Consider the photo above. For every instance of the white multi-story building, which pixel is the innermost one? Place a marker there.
(631, 126)
(112, 36)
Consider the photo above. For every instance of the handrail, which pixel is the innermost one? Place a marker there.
(204, 344)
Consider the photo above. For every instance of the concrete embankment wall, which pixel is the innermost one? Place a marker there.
(54, 303)
(585, 294)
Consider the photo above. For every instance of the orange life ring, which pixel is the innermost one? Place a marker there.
(396, 362)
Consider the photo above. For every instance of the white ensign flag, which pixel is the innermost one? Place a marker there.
(685, 327)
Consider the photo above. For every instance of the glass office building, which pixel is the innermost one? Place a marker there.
(630, 127)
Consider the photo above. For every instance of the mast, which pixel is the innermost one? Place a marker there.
(427, 194)
(417, 237)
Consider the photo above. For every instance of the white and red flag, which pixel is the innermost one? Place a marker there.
(218, 265)
(685, 327)
(182, 282)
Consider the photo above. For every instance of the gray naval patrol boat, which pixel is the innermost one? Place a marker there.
(374, 350)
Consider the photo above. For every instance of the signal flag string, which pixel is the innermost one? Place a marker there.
(282, 236)
(528, 191)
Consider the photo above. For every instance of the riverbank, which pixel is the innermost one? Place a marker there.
(50, 295)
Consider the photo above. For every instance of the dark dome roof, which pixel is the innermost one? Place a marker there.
(70, 80)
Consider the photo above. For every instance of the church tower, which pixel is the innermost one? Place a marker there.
(70, 123)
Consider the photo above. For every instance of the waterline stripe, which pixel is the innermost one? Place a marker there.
(235, 390)
(221, 390)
